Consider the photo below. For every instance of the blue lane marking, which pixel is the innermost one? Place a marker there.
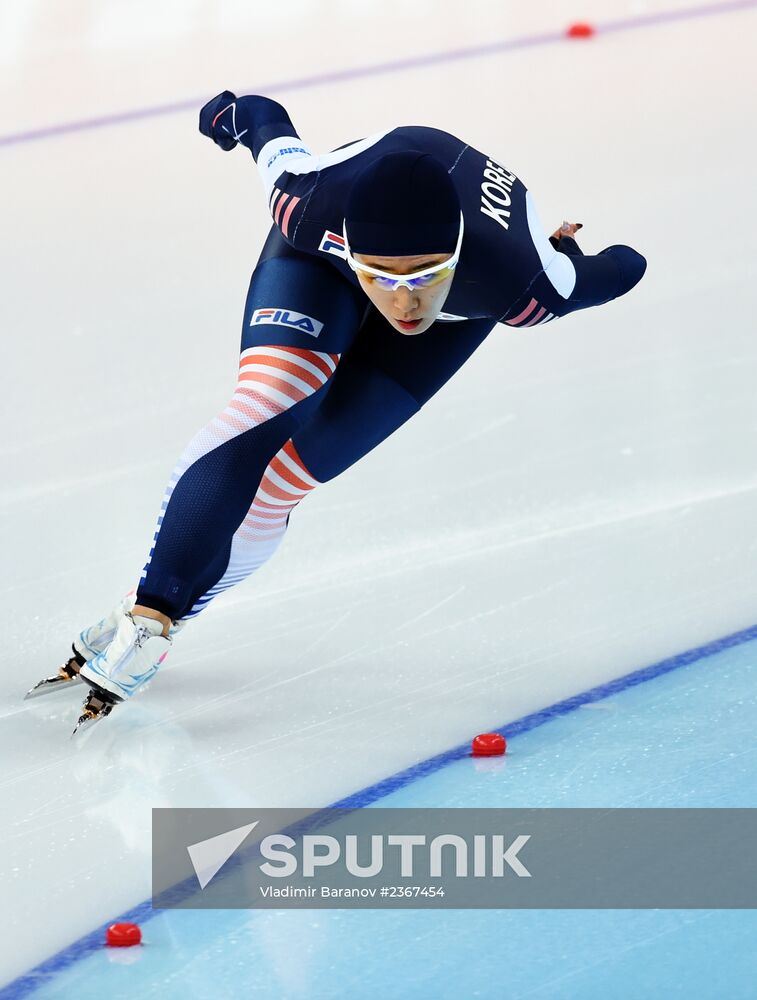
(528, 722)
(379, 69)
(140, 914)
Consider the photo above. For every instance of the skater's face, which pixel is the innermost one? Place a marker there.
(409, 310)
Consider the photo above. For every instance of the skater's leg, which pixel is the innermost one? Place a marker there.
(295, 305)
(284, 376)
(285, 482)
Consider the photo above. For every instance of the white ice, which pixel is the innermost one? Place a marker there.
(580, 501)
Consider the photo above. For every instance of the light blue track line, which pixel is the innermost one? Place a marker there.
(379, 69)
(47, 970)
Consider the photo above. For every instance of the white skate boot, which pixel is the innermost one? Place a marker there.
(124, 667)
(86, 646)
(90, 641)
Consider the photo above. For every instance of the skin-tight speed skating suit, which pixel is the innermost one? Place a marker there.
(323, 378)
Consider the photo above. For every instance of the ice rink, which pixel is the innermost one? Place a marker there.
(578, 503)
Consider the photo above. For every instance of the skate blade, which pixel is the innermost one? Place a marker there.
(49, 685)
(89, 717)
(97, 705)
(66, 676)
(85, 722)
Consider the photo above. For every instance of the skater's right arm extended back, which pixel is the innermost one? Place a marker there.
(261, 124)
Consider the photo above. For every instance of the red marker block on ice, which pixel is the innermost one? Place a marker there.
(580, 29)
(488, 745)
(123, 935)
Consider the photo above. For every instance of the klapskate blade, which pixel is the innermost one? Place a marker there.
(88, 716)
(85, 723)
(49, 685)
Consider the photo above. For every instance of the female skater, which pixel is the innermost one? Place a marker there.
(389, 262)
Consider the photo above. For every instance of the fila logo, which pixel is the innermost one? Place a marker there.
(333, 243)
(285, 317)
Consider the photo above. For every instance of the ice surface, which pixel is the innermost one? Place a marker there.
(580, 500)
(685, 739)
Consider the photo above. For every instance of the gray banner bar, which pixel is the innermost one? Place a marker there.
(455, 858)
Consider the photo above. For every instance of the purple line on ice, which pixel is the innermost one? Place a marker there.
(377, 69)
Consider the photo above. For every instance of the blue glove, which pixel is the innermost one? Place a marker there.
(217, 120)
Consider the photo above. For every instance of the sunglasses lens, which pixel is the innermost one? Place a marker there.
(387, 284)
(429, 280)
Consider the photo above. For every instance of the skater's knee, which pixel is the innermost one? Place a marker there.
(273, 379)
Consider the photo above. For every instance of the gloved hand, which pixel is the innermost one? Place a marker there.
(217, 120)
(566, 229)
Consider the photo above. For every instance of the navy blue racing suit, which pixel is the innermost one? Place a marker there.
(323, 377)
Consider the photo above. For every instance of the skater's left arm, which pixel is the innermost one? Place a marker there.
(571, 280)
(600, 277)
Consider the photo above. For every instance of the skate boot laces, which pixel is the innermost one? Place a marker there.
(141, 636)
